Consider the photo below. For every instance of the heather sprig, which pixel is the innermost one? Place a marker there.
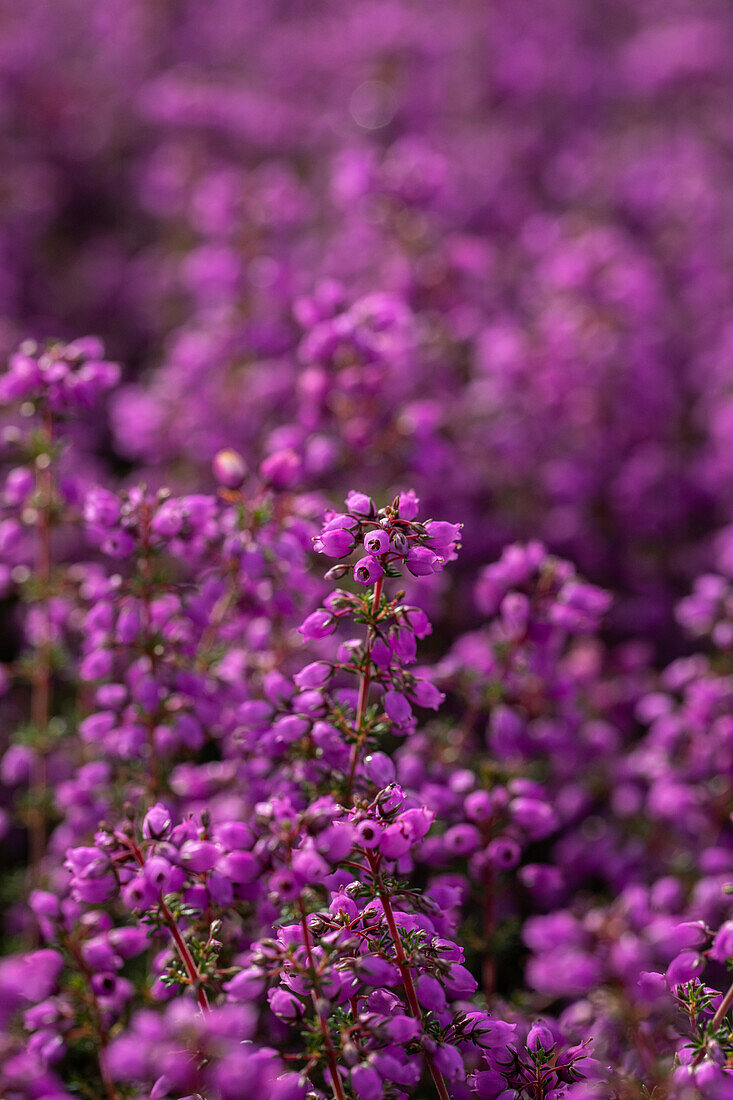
(394, 541)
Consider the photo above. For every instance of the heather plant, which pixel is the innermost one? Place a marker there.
(275, 872)
(192, 882)
(287, 850)
(439, 823)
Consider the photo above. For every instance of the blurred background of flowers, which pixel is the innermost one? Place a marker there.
(485, 248)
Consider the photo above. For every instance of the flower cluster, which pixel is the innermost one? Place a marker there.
(300, 861)
(391, 538)
(59, 377)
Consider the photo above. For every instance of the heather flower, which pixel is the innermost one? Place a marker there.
(722, 948)
(376, 542)
(397, 708)
(157, 822)
(368, 570)
(540, 1036)
(318, 625)
(360, 503)
(422, 561)
(337, 543)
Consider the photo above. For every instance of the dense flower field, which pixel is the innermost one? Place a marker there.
(366, 673)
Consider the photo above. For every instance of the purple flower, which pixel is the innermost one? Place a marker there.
(379, 769)
(101, 508)
(366, 1083)
(284, 1004)
(371, 970)
(240, 867)
(18, 485)
(722, 949)
(536, 817)
(425, 694)
(402, 1028)
(199, 855)
(139, 894)
(285, 885)
(368, 834)
(408, 505)
(319, 624)
(449, 1061)
(246, 985)
(281, 469)
(394, 842)
(16, 765)
(397, 708)
(489, 1085)
(157, 822)
(422, 562)
(368, 570)
(430, 993)
(540, 1037)
(460, 983)
(360, 503)
(376, 542)
(337, 543)
(443, 537)
(685, 967)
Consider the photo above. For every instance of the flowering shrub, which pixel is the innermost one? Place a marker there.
(366, 682)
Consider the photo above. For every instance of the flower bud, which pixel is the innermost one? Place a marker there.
(157, 822)
(229, 468)
(397, 708)
(319, 624)
(360, 503)
(430, 993)
(540, 1036)
(337, 543)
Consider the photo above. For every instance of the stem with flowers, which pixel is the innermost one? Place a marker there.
(392, 540)
(364, 682)
(404, 965)
(338, 1090)
(195, 978)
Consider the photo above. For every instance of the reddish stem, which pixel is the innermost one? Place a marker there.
(186, 958)
(330, 1053)
(365, 680)
(181, 945)
(723, 1009)
(409, 985)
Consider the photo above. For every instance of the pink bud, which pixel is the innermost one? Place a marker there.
(229, 468)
